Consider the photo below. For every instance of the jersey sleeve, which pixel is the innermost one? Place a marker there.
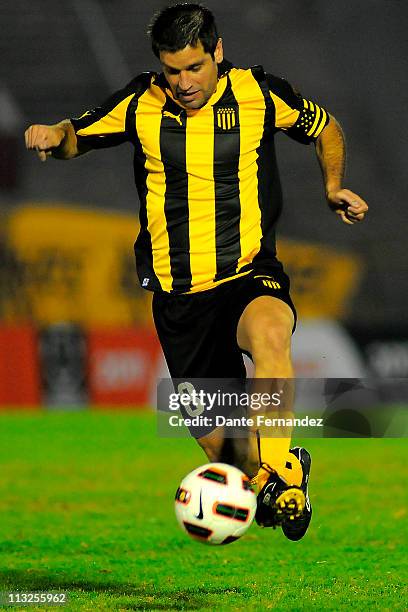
(301, 119)
(108, 125)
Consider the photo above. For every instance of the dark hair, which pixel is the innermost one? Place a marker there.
(176, 27)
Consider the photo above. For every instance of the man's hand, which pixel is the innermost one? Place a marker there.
(348, 205)
(44, 139)
(331, 153)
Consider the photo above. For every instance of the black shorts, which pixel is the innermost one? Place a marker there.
(197, 331)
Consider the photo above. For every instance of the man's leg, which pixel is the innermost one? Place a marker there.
(265, 330)
(239, 451)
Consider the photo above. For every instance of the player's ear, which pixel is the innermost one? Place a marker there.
(219, 52)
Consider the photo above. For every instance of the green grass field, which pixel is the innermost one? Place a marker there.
(86, 506)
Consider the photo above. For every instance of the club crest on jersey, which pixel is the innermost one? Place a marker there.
(226, 118)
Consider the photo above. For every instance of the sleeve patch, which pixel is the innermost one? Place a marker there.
(310, 123)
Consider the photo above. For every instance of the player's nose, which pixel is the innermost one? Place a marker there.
(184, 83)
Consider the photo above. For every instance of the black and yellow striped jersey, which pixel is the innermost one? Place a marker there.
(207, 181)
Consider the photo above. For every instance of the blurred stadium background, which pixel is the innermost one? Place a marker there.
(75, 328)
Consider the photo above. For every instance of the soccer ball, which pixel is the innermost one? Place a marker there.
(215, 504)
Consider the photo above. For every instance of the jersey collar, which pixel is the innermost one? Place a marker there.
(224, 67)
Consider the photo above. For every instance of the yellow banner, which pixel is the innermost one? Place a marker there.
(73, 265)
(323, 280)
(64, 264)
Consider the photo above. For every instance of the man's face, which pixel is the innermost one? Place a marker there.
(192, 74)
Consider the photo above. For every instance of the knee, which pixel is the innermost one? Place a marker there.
(271, 340)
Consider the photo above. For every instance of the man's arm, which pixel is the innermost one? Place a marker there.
(331, 153)
(57, 140)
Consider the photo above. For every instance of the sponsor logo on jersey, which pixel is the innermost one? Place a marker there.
(269, 281)
(172, 116)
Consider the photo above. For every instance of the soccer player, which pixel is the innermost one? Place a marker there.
(205, 170)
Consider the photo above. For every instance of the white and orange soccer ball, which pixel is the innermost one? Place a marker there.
(215, 504)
